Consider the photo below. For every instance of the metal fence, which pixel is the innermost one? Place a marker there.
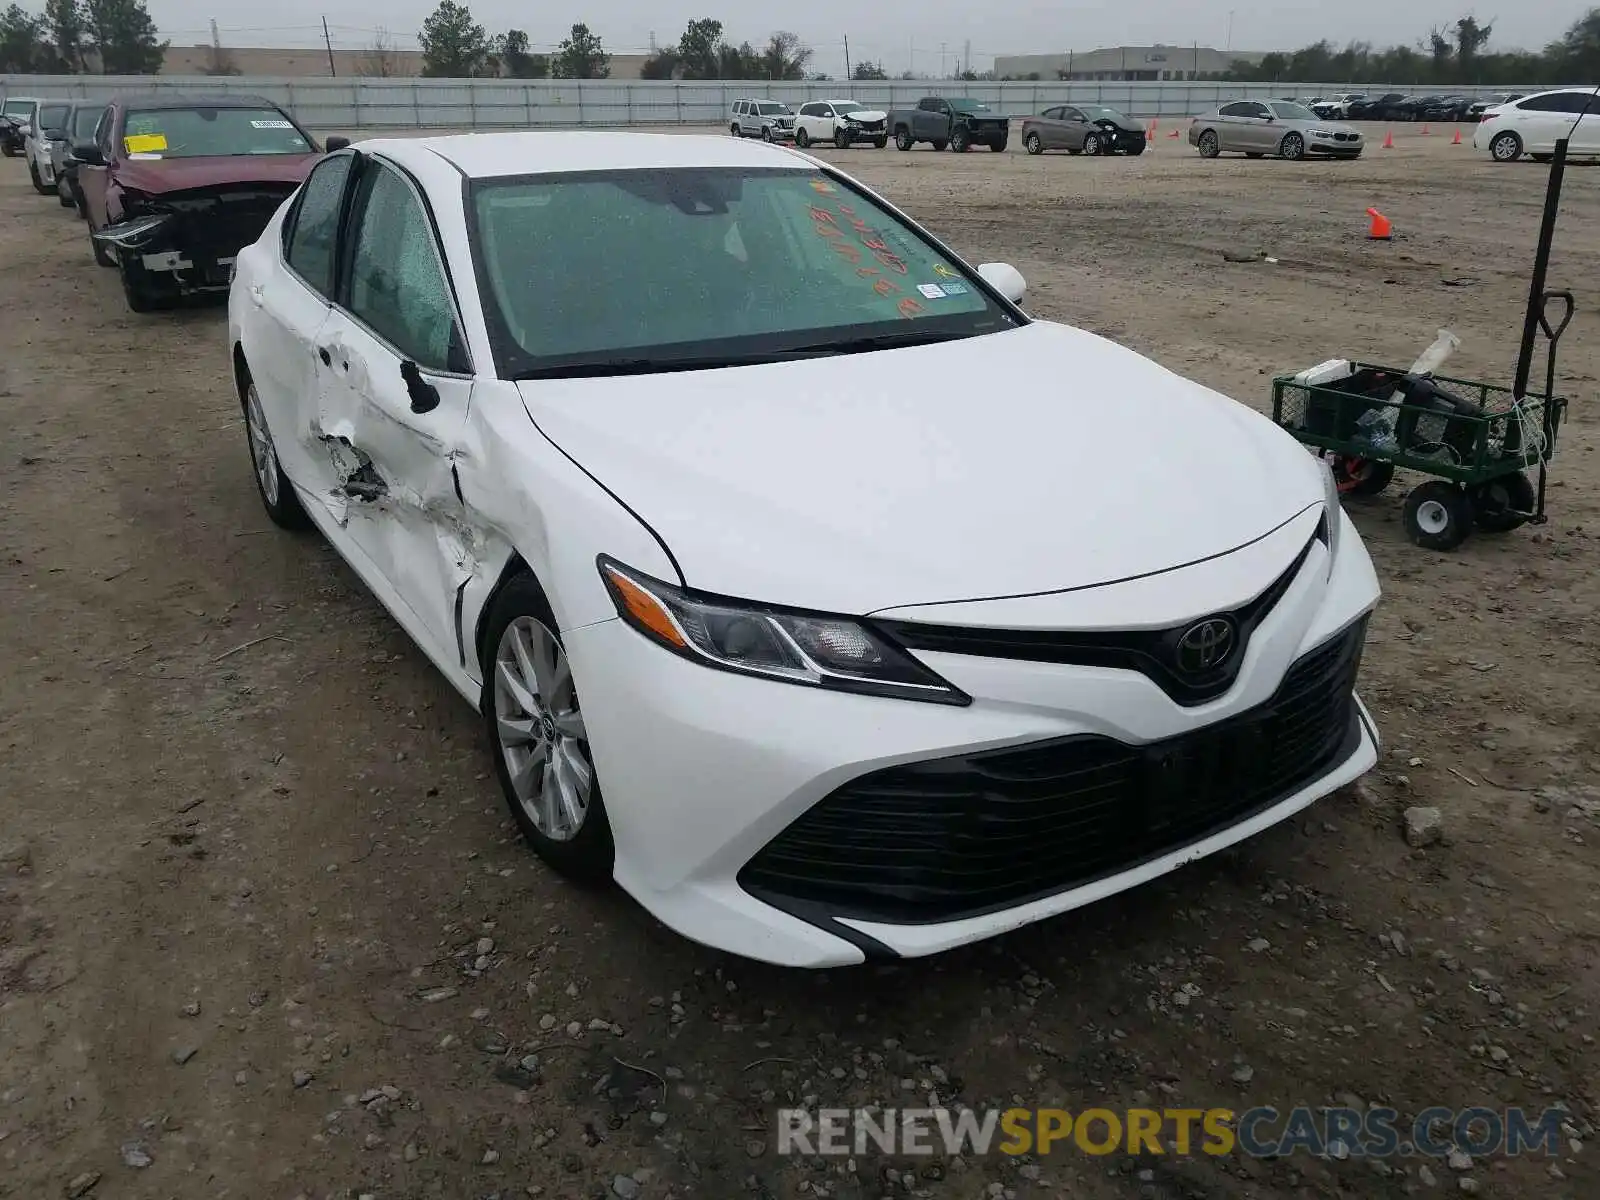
(374, 105)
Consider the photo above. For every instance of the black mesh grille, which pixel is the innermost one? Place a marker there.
(955, 837)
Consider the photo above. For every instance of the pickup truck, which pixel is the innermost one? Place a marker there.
(958, 123)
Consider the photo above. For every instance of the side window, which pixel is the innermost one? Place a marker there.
(397, 285)
(311, 243)
(1052, 114)
(928, 104)
(1577, 102)
(1550, 103)
(1071, 114)
(1257, 110)
(824, 110)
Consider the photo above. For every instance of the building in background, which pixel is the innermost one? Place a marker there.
(376, 62)
(1127, 63)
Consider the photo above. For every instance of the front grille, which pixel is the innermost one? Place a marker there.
(1151, 652)
(1344, 137)
(960, 836)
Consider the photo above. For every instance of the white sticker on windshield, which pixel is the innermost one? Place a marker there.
(931, 290)
(271, 125)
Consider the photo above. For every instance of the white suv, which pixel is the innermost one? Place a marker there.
(1533, 124)
(769, 120)
(840, 122)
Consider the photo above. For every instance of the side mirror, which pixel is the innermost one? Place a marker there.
(423, 395)
(335, 143)
(88, 153)
(1005, 279)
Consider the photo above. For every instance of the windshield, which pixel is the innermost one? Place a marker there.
(1291, 112)
(1099, 112)
(773, 109)
(194, 132)
(84, 121)
(737, 263)
(52, 116)
(19, 108)
(968, 106)
(847, 106)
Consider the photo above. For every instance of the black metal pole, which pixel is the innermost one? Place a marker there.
(1541, 263)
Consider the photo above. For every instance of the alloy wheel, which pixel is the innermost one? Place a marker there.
(1091, 144)
(262, 451)
(540, 730)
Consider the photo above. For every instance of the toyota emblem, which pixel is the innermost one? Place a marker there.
(1205, 646)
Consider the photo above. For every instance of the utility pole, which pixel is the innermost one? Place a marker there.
(966, 65)
(328, 42)
(942, 73)
(216, 49)
(1229, 44)
(847, 74)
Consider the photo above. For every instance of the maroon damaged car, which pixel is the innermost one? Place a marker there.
(175, 185)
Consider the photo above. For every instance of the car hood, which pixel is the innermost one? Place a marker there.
(155, 176)
(868, 114)
(1038, 459)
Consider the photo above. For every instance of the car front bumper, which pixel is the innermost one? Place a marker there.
(703, 770)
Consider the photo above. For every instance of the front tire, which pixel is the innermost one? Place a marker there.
(39, 185)
(902, 139)
(998, 147)
(64, 195)
(1438, 515)
(879, 143)
(1506, 147)
(802, 138)
(841, 138)
(1293, 147)
(766, 133)
(1091, 144)
(1032, 144)
(960, 140)
(733, 129)
(136, 288)
(278, 496)
(533, 719)
(939, 145)
(1210, 147)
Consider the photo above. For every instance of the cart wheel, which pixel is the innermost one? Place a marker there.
(1438, 515)
(1503, 504)
(1361, 476)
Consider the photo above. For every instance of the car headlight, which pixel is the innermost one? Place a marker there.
(1333, 509)
(811, 649)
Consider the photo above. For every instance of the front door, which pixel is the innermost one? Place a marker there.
(92, 180)
(395, 383)
(292, 295)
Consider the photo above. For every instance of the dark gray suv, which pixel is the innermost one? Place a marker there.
(769, 120)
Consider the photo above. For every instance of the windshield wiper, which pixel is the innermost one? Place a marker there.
(882, 341)
(644, 366)
(598, 368)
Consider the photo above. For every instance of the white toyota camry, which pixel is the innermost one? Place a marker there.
(806, 586)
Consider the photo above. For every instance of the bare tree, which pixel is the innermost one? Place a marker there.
(380, 61)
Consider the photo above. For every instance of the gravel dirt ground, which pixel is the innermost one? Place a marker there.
(266, 930)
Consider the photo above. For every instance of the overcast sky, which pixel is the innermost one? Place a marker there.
(880, 30)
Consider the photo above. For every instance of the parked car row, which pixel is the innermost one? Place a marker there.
(170, 186)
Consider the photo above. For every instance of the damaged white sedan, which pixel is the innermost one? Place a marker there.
(805, 585)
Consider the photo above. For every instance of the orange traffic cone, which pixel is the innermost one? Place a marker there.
(1381, 230)
(1388, 139)
(1424, 131)
(1456, 141)
(1150, 133)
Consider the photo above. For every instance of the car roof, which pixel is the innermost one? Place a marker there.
(169, 100)
(497, 155)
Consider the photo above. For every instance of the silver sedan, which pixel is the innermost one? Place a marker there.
(1257, 128)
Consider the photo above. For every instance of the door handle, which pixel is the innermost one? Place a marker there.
(327, 358)
(257, 296)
